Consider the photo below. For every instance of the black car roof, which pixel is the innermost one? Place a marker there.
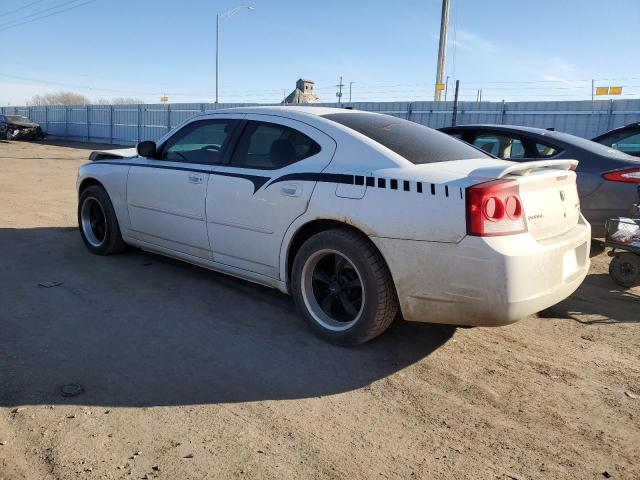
(631, 126)
(504, 128)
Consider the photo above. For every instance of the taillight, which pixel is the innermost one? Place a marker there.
(628, 175)
(494, 208)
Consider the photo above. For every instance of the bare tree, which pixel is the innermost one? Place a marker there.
(120, 101)
(59, 98)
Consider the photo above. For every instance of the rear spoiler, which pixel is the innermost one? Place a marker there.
(523, 169)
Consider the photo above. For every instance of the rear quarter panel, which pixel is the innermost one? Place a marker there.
(398, 204)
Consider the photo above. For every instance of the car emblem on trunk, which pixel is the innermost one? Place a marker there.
(562, 195)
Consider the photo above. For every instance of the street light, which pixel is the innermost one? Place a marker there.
(225, 16)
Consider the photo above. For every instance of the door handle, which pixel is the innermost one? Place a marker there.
(291, 189)
(195, 179)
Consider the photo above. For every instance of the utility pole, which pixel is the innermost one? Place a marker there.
(350, 85)
(454, 117)
(339, 92)
(442, 49)
(217, 50)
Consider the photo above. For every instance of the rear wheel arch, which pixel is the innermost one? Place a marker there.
(311, 228)
(352, 298)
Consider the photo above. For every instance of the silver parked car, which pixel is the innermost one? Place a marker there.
(608, 179)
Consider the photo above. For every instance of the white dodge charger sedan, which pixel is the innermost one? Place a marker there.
(360, 216)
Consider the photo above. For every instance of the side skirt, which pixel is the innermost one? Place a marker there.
(211, 265)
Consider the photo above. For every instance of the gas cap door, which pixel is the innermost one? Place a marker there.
(357, 189)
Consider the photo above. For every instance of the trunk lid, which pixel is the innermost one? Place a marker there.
(548, 192)
(550, 203)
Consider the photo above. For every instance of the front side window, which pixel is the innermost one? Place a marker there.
(501, 146)
(270, 146)
(416, 143)
(198, 142)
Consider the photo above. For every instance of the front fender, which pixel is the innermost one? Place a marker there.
(113, 179)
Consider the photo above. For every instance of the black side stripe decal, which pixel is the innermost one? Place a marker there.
(314, 177)
(264, 182)
(162, 167)
(257, 180)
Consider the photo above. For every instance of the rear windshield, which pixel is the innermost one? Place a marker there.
(415, 142)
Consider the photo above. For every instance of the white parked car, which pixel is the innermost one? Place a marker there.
(358, 215)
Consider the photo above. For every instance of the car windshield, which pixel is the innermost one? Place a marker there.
(17, 118)
(415, 142)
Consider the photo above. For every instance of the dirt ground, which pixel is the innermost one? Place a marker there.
(190, 374)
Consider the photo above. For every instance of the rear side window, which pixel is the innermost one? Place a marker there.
(270, 146)
(415, 142)
(545, 150)
(501, 146)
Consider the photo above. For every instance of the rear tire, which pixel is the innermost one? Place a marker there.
(342, 286)
(625, 269)
(98, 222)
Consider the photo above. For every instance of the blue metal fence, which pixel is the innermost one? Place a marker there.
(128, 124)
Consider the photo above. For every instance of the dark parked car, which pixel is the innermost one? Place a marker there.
(608, 180)
(17, 127)
(626, 139)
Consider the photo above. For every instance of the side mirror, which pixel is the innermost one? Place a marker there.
(147, 149)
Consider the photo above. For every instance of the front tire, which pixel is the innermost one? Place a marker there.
(98, 223)
(342, 286)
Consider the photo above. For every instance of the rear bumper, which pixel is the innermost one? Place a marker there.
(486, 281)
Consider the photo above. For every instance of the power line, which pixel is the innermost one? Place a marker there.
(46, 16)
(40, 12)
(68, 85)
(370, 94)
(6, 14)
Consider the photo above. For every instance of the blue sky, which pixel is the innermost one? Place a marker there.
(516, 50)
